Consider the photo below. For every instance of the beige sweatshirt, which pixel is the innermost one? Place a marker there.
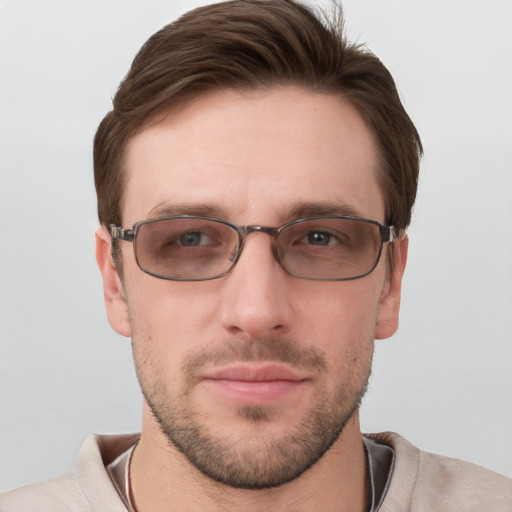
(420, 482)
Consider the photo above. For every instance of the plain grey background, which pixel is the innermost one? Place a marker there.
(444, 381)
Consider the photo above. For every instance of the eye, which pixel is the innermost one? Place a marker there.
(193, 239)
(318, 238)
(323, 238)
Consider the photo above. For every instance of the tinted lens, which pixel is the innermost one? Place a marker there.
(330, 248)
(185, 248)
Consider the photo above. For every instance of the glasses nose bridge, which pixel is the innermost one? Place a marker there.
(245, 231)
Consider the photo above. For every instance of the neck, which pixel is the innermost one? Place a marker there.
(161, 475)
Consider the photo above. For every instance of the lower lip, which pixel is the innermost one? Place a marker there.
(254, 392)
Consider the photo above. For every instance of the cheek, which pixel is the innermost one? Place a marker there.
(157, 347)
(161, 303)
(341, 312)
(168, 318)
(342, 325)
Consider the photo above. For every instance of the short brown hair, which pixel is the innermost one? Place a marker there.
(244, 44)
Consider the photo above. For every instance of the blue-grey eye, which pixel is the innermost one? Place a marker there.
(193, 239)
(319, 238)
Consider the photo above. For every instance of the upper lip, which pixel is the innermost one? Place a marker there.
(251, 373)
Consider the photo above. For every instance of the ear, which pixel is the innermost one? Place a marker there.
(113, 292)
(389, 305)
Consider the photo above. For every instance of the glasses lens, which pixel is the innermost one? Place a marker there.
(185, 248)
(330, 248)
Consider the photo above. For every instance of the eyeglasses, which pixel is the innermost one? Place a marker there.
(190, 248)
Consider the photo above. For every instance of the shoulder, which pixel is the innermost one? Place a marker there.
(57, 494)
(87, 489)
(424, 482)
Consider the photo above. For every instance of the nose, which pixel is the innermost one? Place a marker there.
(256, 295)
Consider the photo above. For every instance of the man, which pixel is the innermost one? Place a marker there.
(255, 179)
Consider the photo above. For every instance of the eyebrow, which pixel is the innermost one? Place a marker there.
(297, 211)
(199, 210)
(314, 209)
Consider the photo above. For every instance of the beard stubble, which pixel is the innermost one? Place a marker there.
(254, 460)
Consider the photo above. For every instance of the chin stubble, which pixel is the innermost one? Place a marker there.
(254, 460)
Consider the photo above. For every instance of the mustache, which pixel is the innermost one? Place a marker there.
(271, 348)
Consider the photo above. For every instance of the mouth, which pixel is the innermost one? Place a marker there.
(254, 385)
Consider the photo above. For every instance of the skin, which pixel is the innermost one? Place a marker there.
(254, 158)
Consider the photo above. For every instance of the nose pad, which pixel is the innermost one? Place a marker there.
(234, 256)
(248, 230)
(259, 245)
(276, 254)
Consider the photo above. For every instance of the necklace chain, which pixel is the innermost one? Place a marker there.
(128, 481)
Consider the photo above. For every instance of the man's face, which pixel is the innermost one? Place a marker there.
(252, 376)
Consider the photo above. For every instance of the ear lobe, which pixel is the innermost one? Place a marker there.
(113, 292)
(389, 306)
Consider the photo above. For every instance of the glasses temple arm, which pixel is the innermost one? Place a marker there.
(389, 234)
(118, 232)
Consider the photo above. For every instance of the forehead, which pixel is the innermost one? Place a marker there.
(253, 156)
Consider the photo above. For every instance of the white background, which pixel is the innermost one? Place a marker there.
(444, 381)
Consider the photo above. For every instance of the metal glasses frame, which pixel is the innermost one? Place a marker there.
(387, 234)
